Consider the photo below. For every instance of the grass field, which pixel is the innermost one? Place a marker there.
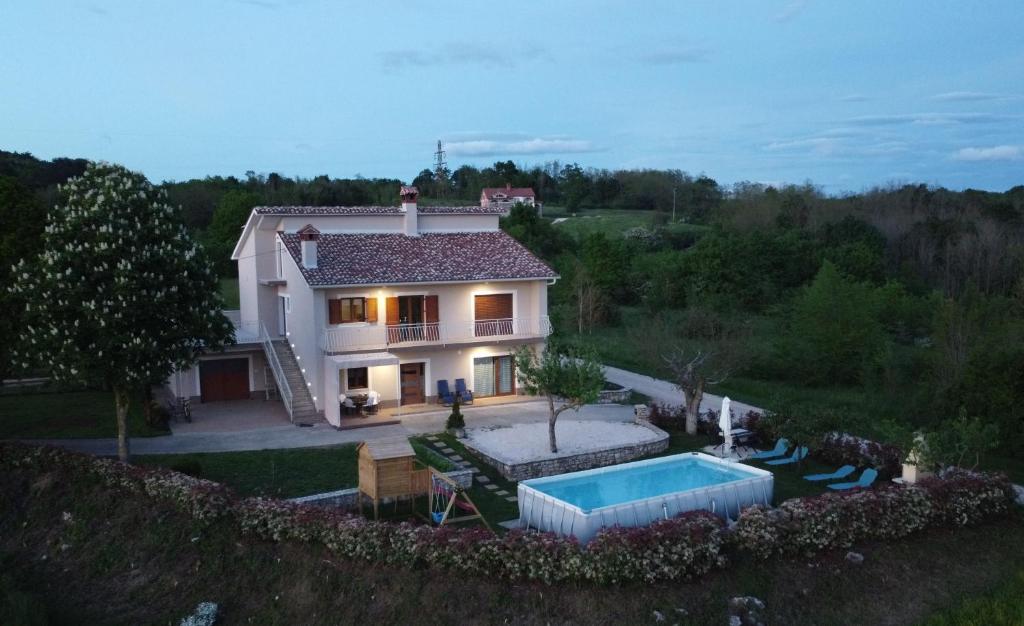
(71, 415)
(1004, 606)
(286, 473)
(72, 553)
(612, 221)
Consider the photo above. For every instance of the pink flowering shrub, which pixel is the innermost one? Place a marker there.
(683, 547)
(843, 449)
(806, 526)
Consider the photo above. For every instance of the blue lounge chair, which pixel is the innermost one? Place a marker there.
(780, 448)
(798, 455)
(465, 395)
(842, 472)
(867, 477)
(444, 394)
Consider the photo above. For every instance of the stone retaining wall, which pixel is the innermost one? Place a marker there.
(586, 460)
(349, 498)
(614, 396)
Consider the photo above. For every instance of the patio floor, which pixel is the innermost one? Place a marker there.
(233, 416)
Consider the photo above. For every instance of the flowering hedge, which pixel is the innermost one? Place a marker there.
(843, 449)
(680, 548)
(834, 520)
(683, 547)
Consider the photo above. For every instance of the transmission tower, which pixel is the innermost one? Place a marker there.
(440, 171)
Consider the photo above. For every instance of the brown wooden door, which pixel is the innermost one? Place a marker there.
(224, 379)
(411, 377)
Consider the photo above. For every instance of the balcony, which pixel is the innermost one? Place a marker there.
(384, 336)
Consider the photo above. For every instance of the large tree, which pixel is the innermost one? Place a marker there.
(119, 293)
(567, 378)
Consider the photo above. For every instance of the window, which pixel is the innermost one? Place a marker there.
(357, 378)
(346, 310)
(493, 376)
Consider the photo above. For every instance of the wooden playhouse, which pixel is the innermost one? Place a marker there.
(388, 469)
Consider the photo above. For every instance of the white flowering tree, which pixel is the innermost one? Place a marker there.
(119, 293)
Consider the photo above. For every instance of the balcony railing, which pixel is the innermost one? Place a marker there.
(382, 336)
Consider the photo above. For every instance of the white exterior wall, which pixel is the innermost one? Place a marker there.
(457, 223)
(304, 324)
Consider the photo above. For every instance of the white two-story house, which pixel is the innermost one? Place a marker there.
(347, 300)
(507, 197)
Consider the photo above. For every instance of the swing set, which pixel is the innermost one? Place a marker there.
(447, 495)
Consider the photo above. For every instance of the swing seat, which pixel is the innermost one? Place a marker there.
(437, 515)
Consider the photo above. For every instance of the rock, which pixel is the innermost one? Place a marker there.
(682, 611)
(745, 611)
(659, 616)
(204, 615)
(855, 557)
(1018, 492)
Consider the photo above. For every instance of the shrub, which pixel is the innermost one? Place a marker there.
(843, 449)
(455, 419)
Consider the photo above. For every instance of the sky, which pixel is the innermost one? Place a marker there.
(847, 95)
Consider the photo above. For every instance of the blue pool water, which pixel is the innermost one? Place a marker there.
(608, 486)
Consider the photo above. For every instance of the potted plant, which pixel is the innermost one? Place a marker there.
(456, 424)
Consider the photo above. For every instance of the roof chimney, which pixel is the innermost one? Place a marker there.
(409, 195)
(308, 238)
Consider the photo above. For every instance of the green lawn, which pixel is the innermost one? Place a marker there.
(287, 473)
(229, 291)
(67, 415)
(1003, 606)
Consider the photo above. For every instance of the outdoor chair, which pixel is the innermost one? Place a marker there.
(444, 394)
(347, 406)
(465, 395)
(780, 448)
(842, 472)
(372, 402)
(867, 477)
(798, 455)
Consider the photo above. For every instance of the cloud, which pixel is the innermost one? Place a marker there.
(516, 145)
(675, 56)
(459, 54)
(855, 97)
(927, 119)
(823, 146)
(969, 96)
(790, 10)
(995, 153)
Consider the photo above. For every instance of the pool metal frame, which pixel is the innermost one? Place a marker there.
(546, 513)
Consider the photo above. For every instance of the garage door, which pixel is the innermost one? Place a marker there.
(224, 379)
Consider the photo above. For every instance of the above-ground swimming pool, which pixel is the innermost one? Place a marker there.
(638, 493)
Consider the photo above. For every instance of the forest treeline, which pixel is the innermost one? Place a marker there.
(911, 294)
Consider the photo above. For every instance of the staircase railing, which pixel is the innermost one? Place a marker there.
(278, 371)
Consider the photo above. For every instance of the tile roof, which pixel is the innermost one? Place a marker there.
(374, 210)
(377, 259)
(510, 192)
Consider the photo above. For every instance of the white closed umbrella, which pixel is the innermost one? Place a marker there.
(725, 425)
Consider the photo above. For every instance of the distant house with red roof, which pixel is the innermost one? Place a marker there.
(506, 197)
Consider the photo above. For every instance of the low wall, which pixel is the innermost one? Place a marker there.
(349, 498)
(587, 460)
(614, 396)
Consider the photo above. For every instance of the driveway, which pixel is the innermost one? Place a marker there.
(288, 436)
(265, 428)
(667, 392)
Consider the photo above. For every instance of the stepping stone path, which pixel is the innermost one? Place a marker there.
(472, 468)
(447, 450)
(501, 492)
(455, 457)
(512, 499)
(439, 444)
(490, 487)
(480, 478)
(431, 438)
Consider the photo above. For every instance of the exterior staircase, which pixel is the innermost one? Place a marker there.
(303, 411)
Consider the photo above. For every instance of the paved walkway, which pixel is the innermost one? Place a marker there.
(288, 436)
(263, 433)
(667, 392)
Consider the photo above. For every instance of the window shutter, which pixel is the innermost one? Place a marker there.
(392, 310)
(430, 309)
(371, 310)
(334, 311)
